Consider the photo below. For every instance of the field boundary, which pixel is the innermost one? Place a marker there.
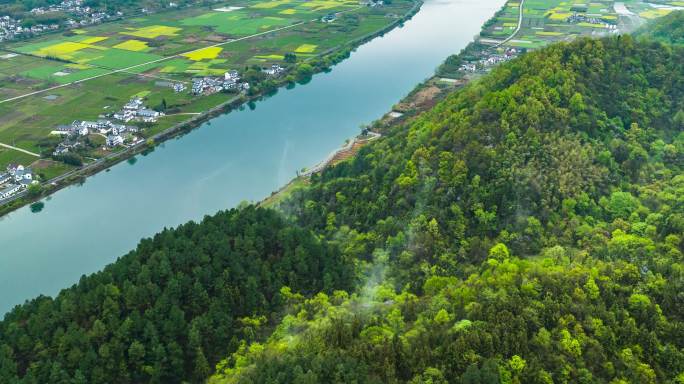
(520, 21)
(19, 149)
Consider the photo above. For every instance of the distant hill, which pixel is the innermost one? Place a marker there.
(668, 29)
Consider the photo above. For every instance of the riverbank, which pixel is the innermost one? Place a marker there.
(422, 98)
(320, 63)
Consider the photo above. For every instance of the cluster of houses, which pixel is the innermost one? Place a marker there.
(80, 16)
(115, 132)
(274, 70)
(577, 18)
(135, 110)
(16, 178)
(11, 29)
(372, 3)
(490, 59)
(84, 15)
(209, 85)
(69, 6)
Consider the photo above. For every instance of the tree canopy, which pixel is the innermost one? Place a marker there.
(168, 311)
(530, 228)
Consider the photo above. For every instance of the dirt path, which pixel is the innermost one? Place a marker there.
(19, 149)
(520, 20)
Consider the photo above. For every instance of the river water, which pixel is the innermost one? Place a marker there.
(243, 155)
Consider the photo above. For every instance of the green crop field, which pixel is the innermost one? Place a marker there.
(548, 21)
(237, 23)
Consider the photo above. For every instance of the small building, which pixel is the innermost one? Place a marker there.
(60, 150)
(275, 70)
(64, 129)
(114, 140)
(118, 129)
(9, 190)
(5, 177)
(22, 173)
(232, 75)
(134, 104)
(12, 168)
(24, 183)
(148, 113)
(89, 124)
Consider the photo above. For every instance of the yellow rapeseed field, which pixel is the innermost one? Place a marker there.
(153, 31)
(93, 40)
(132, 45)
(306, 48)
(205, 53)
(61, 49)
(270, 4)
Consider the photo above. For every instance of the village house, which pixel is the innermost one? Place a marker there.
(19, 177)
(114, 140)
(61, 149)
(232, 75)
(5, 177)
(275, 70)
(134, 104)
(9, 191)
(20, 173)
(372, 3)
(147, 113)
(64, 129)
(88, 125)
(209, 85)
(136, 110)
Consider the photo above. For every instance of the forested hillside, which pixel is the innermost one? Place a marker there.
(169, 310)
(668, 29)
(528, 229)
(532, 230)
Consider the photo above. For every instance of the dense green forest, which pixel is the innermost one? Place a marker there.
(669, 29)
(168, 311)
(531, 226)
(528, 229)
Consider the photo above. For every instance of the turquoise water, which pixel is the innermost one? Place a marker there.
(243, 155)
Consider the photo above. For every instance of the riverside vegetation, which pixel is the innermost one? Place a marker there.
(527, 229)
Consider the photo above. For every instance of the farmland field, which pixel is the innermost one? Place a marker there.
(87, 73)
(547, 21)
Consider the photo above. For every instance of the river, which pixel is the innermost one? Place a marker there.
(242, 155)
